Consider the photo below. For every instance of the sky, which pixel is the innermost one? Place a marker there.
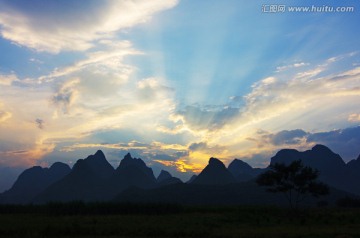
(176, 82)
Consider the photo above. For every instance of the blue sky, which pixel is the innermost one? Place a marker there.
(176, 82)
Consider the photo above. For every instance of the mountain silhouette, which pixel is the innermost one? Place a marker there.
(99, 165)
(242, 171)
(84, 182)
(165, 178)
(164, 175)
(133, 163)
(319, 157)
(353, 176)
(354, 165)
(215, 173)
(192, 178)
(131, 172)
(94, 179)
(33, 181)
(332, 169)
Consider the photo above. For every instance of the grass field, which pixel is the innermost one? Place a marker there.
(177, 221)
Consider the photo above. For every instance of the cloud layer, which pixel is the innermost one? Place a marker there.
(91, 92)
(54, 26)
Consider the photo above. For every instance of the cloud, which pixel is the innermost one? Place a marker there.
(343, 141)
(40, 123)
(66, 95)
(182, 165)
(24, 153)
(150, 89)
(302, 98)
(108, 57)
(72, 25)
(97, 93)
(292, 137)
(212, 150)
(206, 119)
(280, 111)
(132, 145)
(291, 66)
(354, 117)
(198, 146)
(4, 116)
(7, 79)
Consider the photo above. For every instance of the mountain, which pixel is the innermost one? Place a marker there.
(242, 171)
(84, 182)
(215, 173)
(94, 179)
(131, 172)
(192, 179)
(353, 175)
(332, 169)
(354, 165)
(165, 178)
(133, 163)
(164, 175)
(33, 181)
(319, 157)
(99, 165)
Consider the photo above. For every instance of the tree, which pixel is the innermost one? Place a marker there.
(295, 180)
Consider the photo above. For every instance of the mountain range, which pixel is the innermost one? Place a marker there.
(94, 179)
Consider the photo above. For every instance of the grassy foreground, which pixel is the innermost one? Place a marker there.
(175, 221)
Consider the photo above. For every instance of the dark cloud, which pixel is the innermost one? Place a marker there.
(346, 142)
(285, 138)
(288, 137)
(66, 95)
(40, 123)
(198, 146)
(167, 157)
(63, 100)
(205, 147)
(259, 160)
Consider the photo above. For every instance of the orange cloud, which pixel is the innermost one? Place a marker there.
(182, 165)
(27, 157)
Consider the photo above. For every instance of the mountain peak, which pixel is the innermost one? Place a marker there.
(321, 148)
(237, 167)
(129, 162)
(99, 154)
(215, 173)
(215, 162)
(240, 164)
(163, 176)
(128, 156)
(59, 166)
(97, 163)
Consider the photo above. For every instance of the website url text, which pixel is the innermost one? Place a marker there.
(277, 8)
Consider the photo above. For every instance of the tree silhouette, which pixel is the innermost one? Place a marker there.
(295, 180)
